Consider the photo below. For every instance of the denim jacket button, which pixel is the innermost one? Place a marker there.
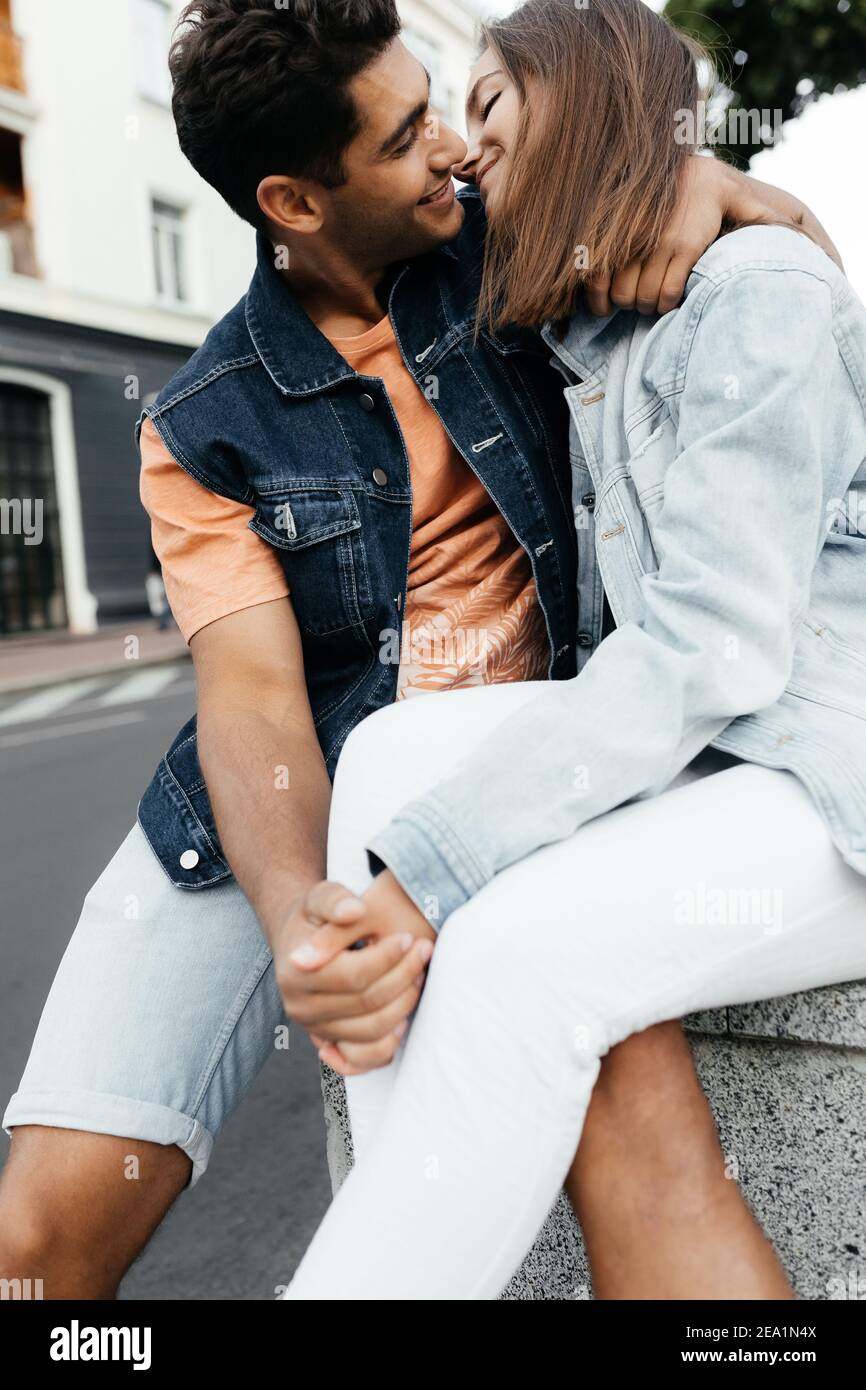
(189, 859)
(366, 402)
(584, 639)
(380, 476)
(588, 500)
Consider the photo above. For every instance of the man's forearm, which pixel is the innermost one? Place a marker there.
(270, 794)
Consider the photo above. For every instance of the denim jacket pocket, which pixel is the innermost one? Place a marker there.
(317, 533)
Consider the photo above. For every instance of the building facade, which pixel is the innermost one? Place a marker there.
(115, 259)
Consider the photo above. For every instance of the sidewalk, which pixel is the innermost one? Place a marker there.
(27, 663)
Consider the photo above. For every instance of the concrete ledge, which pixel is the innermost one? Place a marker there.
(834, 1015)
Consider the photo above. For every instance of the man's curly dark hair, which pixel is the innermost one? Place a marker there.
(260, 87)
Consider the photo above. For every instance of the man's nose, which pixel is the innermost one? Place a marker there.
(451, 148)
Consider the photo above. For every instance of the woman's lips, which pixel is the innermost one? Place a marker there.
(443, 198)
(484, 170)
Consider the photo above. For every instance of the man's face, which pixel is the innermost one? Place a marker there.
(398, 200)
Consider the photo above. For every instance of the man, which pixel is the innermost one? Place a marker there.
(337, 463)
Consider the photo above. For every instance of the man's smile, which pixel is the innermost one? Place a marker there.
(441, 197)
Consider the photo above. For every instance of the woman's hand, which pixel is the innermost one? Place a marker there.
(366, 1040)
(713, 195)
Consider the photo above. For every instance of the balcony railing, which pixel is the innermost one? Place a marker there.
(11, 59)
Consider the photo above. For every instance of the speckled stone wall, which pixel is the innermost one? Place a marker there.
(786, 1079)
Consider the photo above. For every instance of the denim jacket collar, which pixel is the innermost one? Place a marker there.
(587, 339)
(297, 357)
(295, 354)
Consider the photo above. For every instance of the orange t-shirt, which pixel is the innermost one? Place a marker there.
(471, 614)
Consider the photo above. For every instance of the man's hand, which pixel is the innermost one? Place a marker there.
(366, 1038)
(713, 195)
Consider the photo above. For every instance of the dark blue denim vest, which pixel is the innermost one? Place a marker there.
(267, 412)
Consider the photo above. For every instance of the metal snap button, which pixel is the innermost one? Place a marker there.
(189, 859)
(366, 402)
(588, 500)
(380, 476)
(584, 639)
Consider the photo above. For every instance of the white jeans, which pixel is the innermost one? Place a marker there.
(724, 889)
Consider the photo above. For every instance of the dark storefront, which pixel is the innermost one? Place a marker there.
(69, 400)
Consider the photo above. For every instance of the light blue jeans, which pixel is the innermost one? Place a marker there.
(724, 889)
(163, 1009)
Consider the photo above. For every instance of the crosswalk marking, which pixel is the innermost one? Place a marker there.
(49, 701)
(141, 686)
(81, 726)
(105, 690)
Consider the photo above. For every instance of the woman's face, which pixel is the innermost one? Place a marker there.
(492, 118)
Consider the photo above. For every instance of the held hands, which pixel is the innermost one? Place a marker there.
(354, 1004)
(713, 195)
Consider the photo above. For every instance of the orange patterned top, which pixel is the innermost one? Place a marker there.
(471, 614)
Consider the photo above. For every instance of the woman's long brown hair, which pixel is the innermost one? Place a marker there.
(595, 169)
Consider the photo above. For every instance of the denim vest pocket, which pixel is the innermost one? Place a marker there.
(317, 531)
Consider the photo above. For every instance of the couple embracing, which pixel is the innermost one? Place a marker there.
(585, 429)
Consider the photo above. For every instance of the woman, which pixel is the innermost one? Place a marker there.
(683, 825)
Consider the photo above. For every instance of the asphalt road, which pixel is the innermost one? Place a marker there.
(72, 777)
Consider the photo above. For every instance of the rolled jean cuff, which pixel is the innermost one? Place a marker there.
(107, 1114)
(429, 862)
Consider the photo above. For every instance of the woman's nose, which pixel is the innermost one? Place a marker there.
(465, 172)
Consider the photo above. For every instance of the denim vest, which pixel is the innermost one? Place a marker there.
(268, 413)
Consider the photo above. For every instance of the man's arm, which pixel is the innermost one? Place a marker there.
(270, 794)
(229, 597)
(264, 769)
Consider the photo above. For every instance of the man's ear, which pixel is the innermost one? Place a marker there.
(293, 204)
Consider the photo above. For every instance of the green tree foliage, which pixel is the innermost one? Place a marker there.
(769, 51)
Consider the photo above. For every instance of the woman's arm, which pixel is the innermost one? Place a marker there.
(712, 195)
(742, 522)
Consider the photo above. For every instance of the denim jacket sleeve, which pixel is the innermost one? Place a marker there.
(737, 536)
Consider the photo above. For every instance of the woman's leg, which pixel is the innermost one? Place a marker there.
(723, 891)
(395, 755)
(651, 1228)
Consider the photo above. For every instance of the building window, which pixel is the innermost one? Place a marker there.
(17, 249)
(427, 53)
(167, 224)
(151, 35)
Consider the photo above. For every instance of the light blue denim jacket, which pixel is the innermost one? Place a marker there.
(719, 465)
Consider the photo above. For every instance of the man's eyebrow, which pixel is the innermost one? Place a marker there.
(408, 121)
(473, 95)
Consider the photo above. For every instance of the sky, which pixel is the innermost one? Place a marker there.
(820, 158)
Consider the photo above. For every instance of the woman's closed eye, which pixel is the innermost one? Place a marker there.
(489, 105)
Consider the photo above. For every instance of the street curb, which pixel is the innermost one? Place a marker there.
(24, 684)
